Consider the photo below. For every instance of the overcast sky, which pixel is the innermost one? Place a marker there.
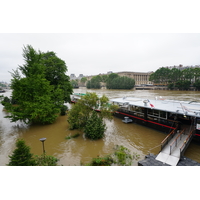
(95, 37)
(92, 53)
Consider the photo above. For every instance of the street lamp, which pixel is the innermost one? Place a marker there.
(42, 140)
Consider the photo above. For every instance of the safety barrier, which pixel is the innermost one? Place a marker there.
(176, 140)
(187, 141)
(168, 138)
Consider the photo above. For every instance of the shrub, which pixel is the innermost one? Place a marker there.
(63, 110)
(45, 160)
(95, 127)
(101, 161)
(21, 155)
(120, 157)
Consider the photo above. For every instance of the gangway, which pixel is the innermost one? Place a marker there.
(174, 145)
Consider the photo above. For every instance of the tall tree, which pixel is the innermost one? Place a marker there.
(21, 156)
(114, 81)
(79, 114)
(42, 90)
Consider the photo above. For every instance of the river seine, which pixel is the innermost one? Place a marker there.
(136, 138)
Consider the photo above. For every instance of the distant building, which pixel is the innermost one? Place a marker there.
(73, 76)
(141, 78)
(181, 67)
(80, 76)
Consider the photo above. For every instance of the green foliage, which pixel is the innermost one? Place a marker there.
(120, 157)
(74, 83)
(176, 78)
(81, 111)
(183, 84)
(21, 155)
(63, 110)
(101, 161)
(197, 84)
(95, 127)
(36, 100)
(88, 85)
(170, 86)
(123, 157)
(6, 102)
(77, 116)
(42, 90)
(73, 136)
(45, 160)
(94, 82)
(114, 81)
(83, 80)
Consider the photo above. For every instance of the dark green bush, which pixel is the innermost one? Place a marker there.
(95, 127)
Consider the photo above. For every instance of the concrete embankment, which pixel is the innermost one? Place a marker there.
(151, 161)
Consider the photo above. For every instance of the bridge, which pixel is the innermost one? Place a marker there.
(174, 145)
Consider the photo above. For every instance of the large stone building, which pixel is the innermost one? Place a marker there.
(141, 78)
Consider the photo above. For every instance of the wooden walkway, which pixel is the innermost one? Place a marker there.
(175, 147)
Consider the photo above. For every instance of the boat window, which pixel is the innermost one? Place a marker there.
(198, 124)
(162, 114)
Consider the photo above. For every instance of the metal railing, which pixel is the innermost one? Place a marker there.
(168, 138)
(186, 141)
(176, 140)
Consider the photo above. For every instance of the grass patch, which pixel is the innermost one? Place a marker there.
(72, 136)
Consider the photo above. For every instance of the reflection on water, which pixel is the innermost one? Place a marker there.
(79, 150)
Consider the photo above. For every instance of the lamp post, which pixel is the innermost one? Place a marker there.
(42, 140)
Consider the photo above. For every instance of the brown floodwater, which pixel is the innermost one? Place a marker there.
(136, 138)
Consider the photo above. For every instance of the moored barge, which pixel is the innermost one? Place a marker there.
(160, 114)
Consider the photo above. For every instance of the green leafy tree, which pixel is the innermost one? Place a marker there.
(83, 80)
(79, 114)
(196, 74)
(94, 82)
(183, 84)
(114, 81)
(21, 155)
(187, 74)
(88, 84)
(41, 92)
(95, 127)
(74, 83)
(197, 84)
(104, 78)
(161, 76)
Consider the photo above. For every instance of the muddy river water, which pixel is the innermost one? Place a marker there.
(79, 150)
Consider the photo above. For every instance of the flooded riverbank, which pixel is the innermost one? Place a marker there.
(139, 139)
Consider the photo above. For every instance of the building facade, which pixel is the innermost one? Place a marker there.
(141, 78)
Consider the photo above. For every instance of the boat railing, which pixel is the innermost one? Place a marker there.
(168, 138)
(176, 140)
(187, 141)
(150, 117)
(136, 113)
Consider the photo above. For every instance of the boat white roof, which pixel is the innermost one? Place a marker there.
(189, 108)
